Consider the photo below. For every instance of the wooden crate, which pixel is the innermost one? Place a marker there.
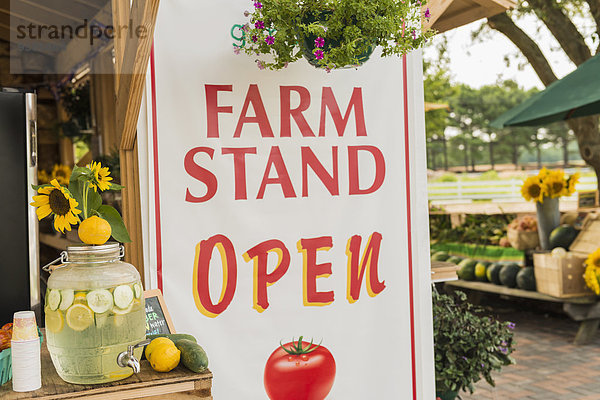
(563, 277)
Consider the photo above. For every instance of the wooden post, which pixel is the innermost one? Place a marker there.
(132, 54)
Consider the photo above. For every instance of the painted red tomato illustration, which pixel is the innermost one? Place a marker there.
(299, 371)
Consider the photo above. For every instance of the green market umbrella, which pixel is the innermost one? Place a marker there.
(575, 95)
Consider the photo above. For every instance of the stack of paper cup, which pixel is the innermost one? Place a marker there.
(26, 360)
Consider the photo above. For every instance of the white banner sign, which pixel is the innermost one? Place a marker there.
(288, 204)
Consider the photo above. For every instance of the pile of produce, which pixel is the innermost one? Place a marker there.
(522, 233)
(507, 274)
(165, 352)
(476, 229)
(5, 336)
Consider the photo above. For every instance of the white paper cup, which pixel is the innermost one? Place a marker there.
(24, 326)
(26, 365)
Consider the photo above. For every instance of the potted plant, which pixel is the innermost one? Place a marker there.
(331, 34)
(545, 189)
(468, 345)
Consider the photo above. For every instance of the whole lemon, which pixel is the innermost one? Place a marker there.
(155, 343)
(94, 230)
(164, 357)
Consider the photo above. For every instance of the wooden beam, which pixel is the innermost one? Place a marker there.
(495, 6)
(120, 11)
(132, 215)
(132, 54)
(437, 9)
(133, 70)
(473, 14)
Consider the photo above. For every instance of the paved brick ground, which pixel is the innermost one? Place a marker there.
(549, 366)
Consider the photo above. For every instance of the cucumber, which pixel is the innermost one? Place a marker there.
(173, 336)
(99, 300)
(137, 290)
(193, 355)
(67, 296)
(54, 299)
(123, 296)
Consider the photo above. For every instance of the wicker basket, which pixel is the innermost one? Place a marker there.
(560, 277)
(522, 240)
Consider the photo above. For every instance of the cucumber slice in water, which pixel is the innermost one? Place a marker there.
(54, 299)
(99, 300)
(123, 296)
(137, 289)
(100, 319)
(67, 296)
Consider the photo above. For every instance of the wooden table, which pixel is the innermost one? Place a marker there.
(179, 384)
(584, 309)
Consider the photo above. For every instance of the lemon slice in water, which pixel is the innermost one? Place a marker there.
(79, 317)
(54, 321)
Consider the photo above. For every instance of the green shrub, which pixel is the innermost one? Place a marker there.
(468, 345)
(491, 175)
(448, 177)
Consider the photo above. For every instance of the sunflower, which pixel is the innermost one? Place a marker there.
(591, 279)
(43, 177)
(54, 199)
(61, 173)
(533, 189)
(573, 180)
(101, 178)
(593, 259)
(556, 184)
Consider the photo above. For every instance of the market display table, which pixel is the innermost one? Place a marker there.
(178, 384)
(584, 309)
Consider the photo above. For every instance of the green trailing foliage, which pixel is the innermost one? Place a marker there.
(469, 345)
(279, 29)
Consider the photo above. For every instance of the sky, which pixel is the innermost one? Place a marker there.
(479, 63)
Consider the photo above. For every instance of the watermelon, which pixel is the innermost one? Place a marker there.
(562, 236)
(467, 269)
(508, 275)
(455, 260)
(440, 256)
(480, 271)
(526, 279)
(493, 273)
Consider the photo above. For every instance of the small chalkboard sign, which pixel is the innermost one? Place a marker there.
(158, 320)
(587, 199)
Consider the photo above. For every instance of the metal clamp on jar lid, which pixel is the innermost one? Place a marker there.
(90, 254)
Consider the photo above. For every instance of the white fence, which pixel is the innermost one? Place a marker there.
(498, 190)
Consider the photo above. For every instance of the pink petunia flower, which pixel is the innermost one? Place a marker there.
(319, 54)
(258, 4)
(319, 42)
(427, 13)
(259, 25)
(260, 64)
(270, 40)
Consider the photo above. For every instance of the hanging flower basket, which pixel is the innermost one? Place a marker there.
(331, 34)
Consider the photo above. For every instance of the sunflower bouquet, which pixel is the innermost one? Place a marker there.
(549, 184)
(592, 272)
(80, 203)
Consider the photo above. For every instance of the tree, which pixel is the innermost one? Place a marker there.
(438, 89)
(558, 16)
(472, 112)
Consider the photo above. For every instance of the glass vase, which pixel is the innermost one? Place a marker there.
(548, 218)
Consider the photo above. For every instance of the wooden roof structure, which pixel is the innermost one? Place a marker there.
(131, 56)
(450, 14)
